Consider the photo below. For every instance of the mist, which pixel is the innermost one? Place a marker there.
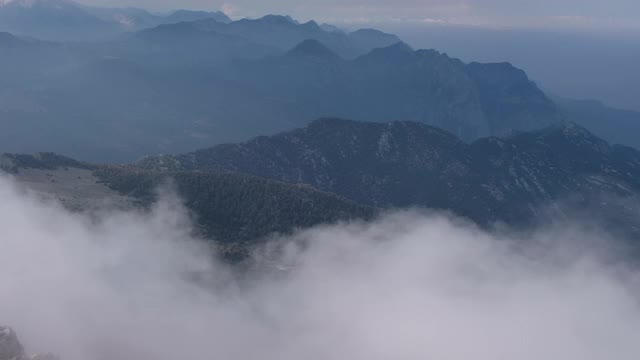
(410, 285)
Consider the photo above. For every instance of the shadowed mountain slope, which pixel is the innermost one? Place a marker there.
(229, 208)
(514, 180)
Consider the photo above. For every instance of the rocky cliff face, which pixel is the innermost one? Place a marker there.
(397, 83)
(510, 101)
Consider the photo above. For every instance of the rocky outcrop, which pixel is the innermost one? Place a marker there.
(12, 349)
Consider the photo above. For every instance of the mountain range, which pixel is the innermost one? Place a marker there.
(65, 20)
(398, 83)
(343, 170)
(179, 87)
(171, 83)
(479, 140)
(405, 164)
(192, 169)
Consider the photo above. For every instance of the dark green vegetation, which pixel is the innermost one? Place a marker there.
(236, 208)
(229, 208)
(517, 180)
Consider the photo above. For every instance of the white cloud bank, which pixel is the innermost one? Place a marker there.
(409, 286)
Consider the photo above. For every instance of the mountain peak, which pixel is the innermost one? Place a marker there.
(193, 15)
(331, 28)
(279, 19)
(312, 25)
(399, 50)
(312, 48)
(374, 32)
(399, 47)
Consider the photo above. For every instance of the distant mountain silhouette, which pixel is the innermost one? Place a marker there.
(372, 38)
(186, 44)
(178, 87)
(65, 20)
(52, 20)
(396, 82)
(284, 33)
(396, 52)
(614, 125)
(191, 15)
(312, 48)
(510, 101)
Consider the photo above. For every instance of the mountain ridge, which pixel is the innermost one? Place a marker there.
(231, 210)
(312, 48)
(399, 83)
(343, 170)
(404, 164)
(66, 20)
(614, 125)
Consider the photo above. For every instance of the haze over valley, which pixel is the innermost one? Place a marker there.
(438, 179)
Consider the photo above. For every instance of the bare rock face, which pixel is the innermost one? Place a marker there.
(12, 349)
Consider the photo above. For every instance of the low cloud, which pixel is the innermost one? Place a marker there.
(411, 285)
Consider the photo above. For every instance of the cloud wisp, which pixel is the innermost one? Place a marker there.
(131, 285)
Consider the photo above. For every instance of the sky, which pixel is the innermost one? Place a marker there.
(545, 14)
